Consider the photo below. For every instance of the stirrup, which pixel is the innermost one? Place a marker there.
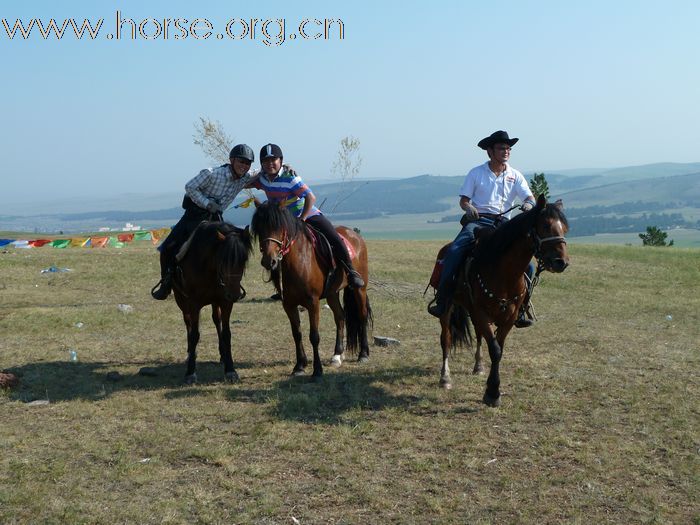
(162, 289)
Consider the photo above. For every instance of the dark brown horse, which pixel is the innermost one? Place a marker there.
(210, 272)
(492, 290)
(299, 273)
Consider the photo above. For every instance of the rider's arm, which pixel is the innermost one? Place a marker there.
(194, 187)
(309, 200)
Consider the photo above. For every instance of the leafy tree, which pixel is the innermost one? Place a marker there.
(539, 186)
(654, 237)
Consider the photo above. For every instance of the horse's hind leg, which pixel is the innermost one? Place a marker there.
(192, 324)
(363, 314)
(315, 338)
(294, 323)
(225, 342)
(478, 363)
(339, 318)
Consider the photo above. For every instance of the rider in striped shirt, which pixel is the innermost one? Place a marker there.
(283, 186)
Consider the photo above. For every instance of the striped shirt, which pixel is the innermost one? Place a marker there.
(216, 184)
(288, 189)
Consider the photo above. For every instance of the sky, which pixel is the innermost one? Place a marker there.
(583, 85)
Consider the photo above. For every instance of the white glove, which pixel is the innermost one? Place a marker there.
(213, 207)
(525, 206)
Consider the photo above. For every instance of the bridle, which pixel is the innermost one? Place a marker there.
(537, 247)
(284, 246)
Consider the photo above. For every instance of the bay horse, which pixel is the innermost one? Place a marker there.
(210, 269)
(492, 289)
(299, 273)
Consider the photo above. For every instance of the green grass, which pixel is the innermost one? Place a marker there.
(599, 421)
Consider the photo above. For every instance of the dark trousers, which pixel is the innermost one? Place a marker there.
(181, 232)
(323, 225)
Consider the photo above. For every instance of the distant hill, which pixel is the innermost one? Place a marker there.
(619, 199)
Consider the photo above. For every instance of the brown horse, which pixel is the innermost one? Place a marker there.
(300, 275)
(493, 288)
(210, 272)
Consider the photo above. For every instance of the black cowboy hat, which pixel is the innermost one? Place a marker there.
(497, 137)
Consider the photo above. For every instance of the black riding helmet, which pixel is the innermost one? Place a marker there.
(270, 150)
(242, 151)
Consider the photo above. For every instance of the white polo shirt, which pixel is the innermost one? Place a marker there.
(491, 194)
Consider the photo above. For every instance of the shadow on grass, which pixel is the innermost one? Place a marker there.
(330, 399)
(67, 381)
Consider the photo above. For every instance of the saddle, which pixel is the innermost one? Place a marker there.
(324, 252)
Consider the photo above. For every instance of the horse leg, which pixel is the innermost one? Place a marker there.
(225, 343)
(492, 396)
(192, 323)
(363, 311)
(478, 363)
(216, 317)
(445, 343)
(314, 337)
(339, 318)
(294, 323)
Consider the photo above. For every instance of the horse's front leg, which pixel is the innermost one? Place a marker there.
(445, 343)
(492, 396)
(294, 323)
(225, 342)
(192, 323)
(314, 337)
(339, 318)
(216, 318)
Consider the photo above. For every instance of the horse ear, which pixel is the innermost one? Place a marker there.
(559, 204)
(246, 232)
(220, 236)
(541, 201)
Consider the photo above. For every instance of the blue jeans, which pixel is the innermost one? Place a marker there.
(458, 251)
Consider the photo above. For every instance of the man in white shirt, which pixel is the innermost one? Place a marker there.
(488, 192)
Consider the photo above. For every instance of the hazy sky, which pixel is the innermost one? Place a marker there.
(583, 84)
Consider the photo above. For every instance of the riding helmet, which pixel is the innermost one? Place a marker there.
(270, 150)
(242, 151)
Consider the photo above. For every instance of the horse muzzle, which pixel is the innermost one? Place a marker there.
(556, 264)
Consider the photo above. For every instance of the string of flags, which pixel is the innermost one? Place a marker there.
(95, 241)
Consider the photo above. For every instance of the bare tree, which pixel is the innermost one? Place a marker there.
(346, 166)
(213, 139)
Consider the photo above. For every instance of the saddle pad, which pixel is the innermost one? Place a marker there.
(322, 246)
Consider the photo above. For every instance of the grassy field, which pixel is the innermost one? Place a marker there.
(599, 422)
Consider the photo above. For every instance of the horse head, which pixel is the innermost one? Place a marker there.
(275, 229)
(548, 234)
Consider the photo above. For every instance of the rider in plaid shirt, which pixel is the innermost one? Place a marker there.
(207, 196)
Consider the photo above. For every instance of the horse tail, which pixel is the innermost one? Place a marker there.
(357, 319)
(459, 327)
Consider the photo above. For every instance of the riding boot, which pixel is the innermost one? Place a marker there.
(525, 318)
(164, 287)
(354, 277)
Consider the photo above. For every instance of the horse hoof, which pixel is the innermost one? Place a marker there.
(363, 359)
(336, 361)
(446, 384)
(478, 371)
(191, 379)
(492, 401)
(232, 377)
(298, 373)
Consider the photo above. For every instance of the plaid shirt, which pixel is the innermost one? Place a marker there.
(216, 184)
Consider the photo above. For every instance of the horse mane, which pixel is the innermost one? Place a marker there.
(269, 217)
(232, 248)
(491, 247)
